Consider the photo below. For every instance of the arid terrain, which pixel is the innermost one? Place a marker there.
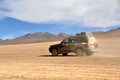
(34, 62)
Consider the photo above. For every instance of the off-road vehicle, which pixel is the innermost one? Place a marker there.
(81, 44)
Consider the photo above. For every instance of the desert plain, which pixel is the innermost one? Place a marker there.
(34, 62)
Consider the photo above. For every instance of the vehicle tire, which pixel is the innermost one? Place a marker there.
(80, 52)
(64, 54)
(54, 52)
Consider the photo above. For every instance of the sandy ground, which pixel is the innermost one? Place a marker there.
(34, 62)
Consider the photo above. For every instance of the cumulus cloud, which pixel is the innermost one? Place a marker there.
(8, 37)
(95, 13)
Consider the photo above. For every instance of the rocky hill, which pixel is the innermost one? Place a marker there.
(33, 38)
(110, 33)
(45, 36)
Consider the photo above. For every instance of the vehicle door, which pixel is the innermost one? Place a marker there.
(72, 44)
(64, 45)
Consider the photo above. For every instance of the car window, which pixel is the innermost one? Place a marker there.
(72, 40)
(65, 41)
(82, 39)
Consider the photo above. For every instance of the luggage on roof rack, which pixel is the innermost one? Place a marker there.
(84, 34)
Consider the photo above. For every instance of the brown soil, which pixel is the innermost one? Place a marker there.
(34, 62)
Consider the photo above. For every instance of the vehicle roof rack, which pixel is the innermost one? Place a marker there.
(84, 34)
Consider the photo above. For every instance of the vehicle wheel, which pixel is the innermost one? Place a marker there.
(54, 52)
(64, 54)
(80, 52)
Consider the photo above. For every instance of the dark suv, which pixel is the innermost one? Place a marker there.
(80, 44)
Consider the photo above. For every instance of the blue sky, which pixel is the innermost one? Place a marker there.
(19, 17)
(12, 28)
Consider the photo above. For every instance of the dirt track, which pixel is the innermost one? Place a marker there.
(34, 62)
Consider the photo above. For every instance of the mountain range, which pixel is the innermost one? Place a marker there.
(45, 36)
(34, 38)
(110, 33)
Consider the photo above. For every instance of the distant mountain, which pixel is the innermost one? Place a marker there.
(63, 35)
(36, 37)
(0, 39)
(45, 36)
(110, 33)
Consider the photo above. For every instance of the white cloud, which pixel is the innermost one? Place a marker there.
(25, 32)
(96, 13)
(7, 37)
